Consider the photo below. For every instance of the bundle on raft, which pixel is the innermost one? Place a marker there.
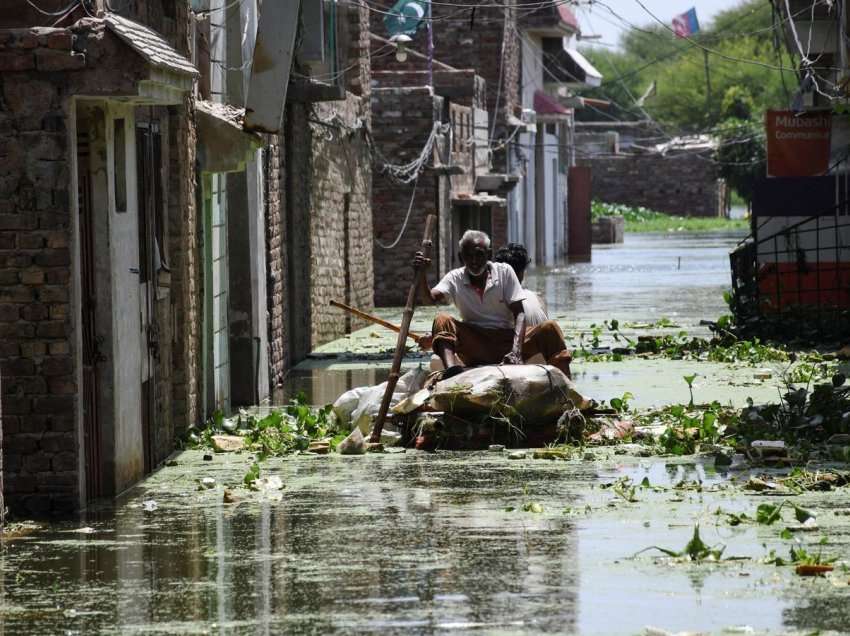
(513, 405)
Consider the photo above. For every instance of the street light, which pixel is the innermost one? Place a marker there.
(401, 42)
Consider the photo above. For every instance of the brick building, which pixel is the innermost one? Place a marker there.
(452, 102)
(97, 250)
(521, 124)
(157, 261)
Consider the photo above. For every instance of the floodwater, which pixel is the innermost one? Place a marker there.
(680, 276)
(410, 543)
(422, 543)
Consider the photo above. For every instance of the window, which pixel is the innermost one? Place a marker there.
(119, 165)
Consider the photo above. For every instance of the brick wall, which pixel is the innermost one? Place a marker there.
(681, 184)
(275, 258)
(40, 70)
(407, 117)
(319, 220)
(36, 333)
(186, 269)
(341, 219)
(484, 38)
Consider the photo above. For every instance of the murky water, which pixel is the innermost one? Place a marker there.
(402, 543)
(680, 276)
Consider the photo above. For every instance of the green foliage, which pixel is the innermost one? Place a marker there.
(640, 219)
(687, 426)
(252, 475)
(281, 432)
(621, 404)
(803, 416)
(768, 514)
(742, 155)
(695, 550)
(682, 102)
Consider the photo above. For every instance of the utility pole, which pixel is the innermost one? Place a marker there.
(707, 84)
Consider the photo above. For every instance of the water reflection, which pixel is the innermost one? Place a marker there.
(421, 545)
(648, 276)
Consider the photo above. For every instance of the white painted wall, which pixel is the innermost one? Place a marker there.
(257, 242)
(127, 336)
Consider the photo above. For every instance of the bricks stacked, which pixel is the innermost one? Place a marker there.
(683, 184)
(275, 284)
(39, 49)
(340, 219)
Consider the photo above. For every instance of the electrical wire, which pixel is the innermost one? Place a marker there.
(53, 14)
(406, 220)
(707, 49)
(205, 12)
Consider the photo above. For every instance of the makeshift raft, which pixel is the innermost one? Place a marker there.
(511, 405)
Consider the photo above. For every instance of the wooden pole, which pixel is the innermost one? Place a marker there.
(416, 337)
(392, 380)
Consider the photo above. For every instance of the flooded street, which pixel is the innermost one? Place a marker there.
(413, 543)
(420, 543)
(680, 276)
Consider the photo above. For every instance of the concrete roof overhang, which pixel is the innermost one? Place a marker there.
(223, 145)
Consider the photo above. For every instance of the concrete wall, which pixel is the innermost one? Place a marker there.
(682, 184)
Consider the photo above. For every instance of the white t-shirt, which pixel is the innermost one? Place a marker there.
(490, 310)
(535, 313)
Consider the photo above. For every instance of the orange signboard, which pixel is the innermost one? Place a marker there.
(797, 143)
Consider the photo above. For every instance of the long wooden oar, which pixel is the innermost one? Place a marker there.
(392, 380)
(378, 321)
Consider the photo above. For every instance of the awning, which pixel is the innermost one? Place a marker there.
(568, 66)
(549, 109)
(169, 74)
(223, 145)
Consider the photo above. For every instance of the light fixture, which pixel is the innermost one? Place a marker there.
(401, 42)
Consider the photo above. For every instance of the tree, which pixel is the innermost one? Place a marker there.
(686, 101)
(741, 155)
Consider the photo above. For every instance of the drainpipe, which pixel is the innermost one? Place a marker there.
(539, 197)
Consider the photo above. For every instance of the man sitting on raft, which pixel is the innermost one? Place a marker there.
(492, 329)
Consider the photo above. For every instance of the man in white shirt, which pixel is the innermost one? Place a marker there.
(515, 255)
(492, 328)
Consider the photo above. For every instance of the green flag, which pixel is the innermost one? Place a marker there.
(407, 16)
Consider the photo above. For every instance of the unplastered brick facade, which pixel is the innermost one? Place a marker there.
(483, 38)
(407, 116)
(326, 234)
(679, 183)
(42, 70)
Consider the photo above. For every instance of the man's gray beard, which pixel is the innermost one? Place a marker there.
(476, 274)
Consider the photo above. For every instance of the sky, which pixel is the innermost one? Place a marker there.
(598, 20)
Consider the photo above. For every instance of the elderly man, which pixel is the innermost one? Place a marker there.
(492, 328)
